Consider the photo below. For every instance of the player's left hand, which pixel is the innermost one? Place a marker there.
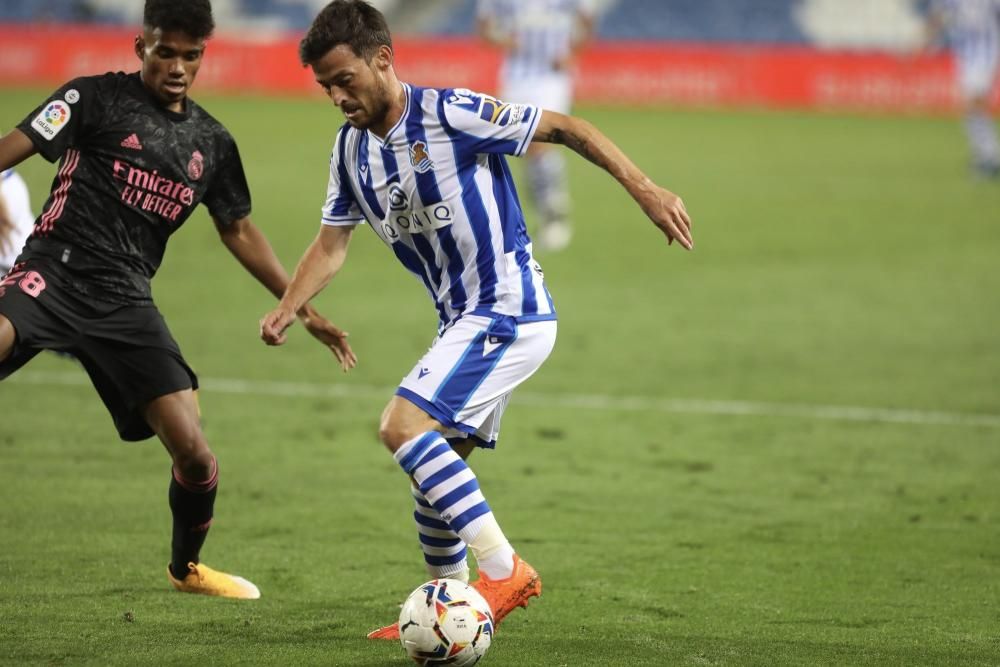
(333, 338)
(667, 212)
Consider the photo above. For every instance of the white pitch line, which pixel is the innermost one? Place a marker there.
(843, 413)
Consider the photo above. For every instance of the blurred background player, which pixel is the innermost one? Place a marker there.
(972, 31)
(540, 40)
(16, 219)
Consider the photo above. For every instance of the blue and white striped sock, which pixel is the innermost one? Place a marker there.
(444, 551)
(451, 488)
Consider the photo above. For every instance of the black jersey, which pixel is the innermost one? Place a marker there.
(131, 173)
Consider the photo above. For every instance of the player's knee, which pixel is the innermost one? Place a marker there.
(195, 462)
(188, 448)
(389, 436)
(393, 433)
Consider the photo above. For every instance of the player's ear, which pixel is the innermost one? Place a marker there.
(383, 58)
(140, 46)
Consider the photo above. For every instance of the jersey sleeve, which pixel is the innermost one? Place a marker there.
(228, 195)
(341, 207)
(487, 125)
(66, 118)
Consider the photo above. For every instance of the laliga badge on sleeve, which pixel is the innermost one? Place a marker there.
(52, 119)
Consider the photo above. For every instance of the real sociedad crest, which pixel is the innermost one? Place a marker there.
(196, 166)
(419, 158)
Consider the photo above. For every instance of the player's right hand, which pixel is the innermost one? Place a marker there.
(274, 325)
(667, 212)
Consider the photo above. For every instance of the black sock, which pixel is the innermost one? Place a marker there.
(192, 505)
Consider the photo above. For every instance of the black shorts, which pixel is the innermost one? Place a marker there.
(128, 351)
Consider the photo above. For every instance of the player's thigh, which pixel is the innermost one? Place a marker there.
(133, 360)
(7, 338)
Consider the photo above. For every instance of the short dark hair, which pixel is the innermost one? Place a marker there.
(192, 17)
(351, 22)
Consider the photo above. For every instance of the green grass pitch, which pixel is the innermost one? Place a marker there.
(779, 449)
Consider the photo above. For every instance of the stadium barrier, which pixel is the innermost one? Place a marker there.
(610, 72)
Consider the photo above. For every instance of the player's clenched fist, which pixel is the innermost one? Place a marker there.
(274, 325)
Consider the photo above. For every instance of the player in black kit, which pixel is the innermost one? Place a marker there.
(137, 155)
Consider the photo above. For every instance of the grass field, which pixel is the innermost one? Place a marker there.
(780, 449)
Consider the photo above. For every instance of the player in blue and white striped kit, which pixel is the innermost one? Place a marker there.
(540, 40)
(425, 169)
(973, 34)
(16, 218)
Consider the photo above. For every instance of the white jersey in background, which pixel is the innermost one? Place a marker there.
(543, 33)
(973, 29)
(14, 196)
(542, 30)
(439, 193)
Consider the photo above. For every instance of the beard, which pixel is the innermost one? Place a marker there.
(378, 107)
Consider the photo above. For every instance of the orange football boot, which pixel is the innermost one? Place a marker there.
(204, 580)
(503, 595)
(390, 632)
(506, 595)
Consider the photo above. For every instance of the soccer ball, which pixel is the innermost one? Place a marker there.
(446, 622)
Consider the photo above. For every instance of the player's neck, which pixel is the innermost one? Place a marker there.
(395, 112)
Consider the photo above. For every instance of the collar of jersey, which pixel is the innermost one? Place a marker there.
(157, 104)
(407, 93)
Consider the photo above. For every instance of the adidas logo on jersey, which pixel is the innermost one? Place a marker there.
(132, 141)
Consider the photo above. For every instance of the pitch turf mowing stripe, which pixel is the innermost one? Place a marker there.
(844, 413)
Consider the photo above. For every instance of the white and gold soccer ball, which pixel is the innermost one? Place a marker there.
(446, 622)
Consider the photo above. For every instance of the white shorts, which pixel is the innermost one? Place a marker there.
(976, 77)
(466, 378)
(545, 91)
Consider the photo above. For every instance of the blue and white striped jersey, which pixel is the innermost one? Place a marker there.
(14, 198)
(973, 28)
(543, 31)
(437, 190)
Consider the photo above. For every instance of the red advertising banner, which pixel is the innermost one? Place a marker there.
(609, 73)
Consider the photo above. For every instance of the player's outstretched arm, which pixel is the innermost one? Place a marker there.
(251, 248)
(663, 207)
(15, 147)
(319, 264)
